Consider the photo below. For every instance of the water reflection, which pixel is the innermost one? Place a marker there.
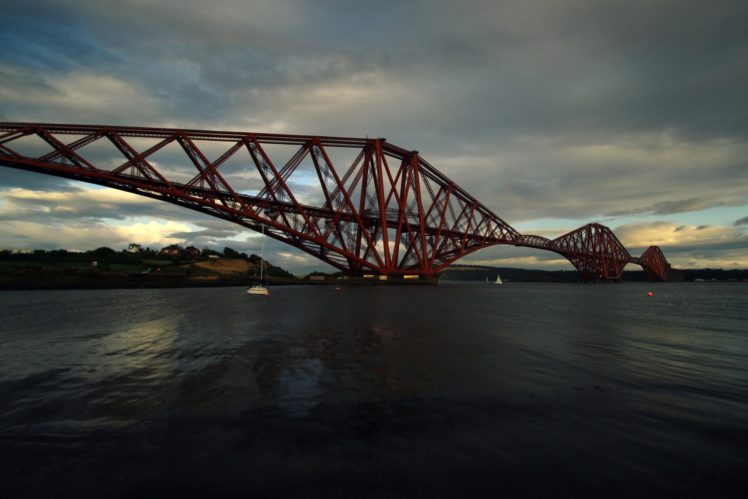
(468, 385)
(143, 348)
(324, 365)
(133, 369)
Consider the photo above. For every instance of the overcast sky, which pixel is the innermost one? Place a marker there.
(553, 114)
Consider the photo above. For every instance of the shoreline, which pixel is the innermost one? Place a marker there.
(165, 281)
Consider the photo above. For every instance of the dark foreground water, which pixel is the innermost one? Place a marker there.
(446, 391)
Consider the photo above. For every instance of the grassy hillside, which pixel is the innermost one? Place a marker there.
(105, 268)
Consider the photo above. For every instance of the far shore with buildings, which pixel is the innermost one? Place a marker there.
(188, 266)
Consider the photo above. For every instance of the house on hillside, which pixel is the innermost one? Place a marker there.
(172, 250)
(191, 252)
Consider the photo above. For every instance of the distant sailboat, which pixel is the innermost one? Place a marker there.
(258, 288)
(498, 280)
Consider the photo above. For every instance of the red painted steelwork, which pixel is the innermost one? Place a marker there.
(654, 263)
(595, 252)
(386, 211)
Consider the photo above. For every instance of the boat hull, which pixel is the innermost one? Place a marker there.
(258, 290)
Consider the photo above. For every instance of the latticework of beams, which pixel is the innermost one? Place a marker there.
(360, 205)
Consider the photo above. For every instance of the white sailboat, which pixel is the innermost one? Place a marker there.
(498, 280)
(258, 288)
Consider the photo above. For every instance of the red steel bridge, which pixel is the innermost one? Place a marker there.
(378, 209)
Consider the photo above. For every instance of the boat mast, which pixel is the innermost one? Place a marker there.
(262, 253)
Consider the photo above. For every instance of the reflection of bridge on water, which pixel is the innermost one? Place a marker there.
(387, 212)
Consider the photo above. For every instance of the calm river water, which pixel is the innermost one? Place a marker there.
(456, 390)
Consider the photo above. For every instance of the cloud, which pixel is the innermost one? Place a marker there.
(532, 177)
(10, 177)
(214, 237)
(84, 236)
(680, 206)
(80, 203)
(741, 221)
(152, 233)
(575, 110)
(642, 235)
(286, 258)
(491, 67)
(86, 96)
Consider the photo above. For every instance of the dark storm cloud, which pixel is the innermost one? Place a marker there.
(493, 68)
(716, 256)
(34, 181)
(510, 67)
(715, 248)
(681, 206)
(50, 38)
(741, 221)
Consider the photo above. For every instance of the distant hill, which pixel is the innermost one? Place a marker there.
(483, 273)
(106, 268)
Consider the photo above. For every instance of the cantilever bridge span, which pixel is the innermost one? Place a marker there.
(360, 205)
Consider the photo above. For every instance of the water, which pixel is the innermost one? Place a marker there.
(454, 390)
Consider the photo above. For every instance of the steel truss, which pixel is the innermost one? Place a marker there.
(385, 210)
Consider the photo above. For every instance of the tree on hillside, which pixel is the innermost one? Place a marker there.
(230, 252)
(103, 250)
